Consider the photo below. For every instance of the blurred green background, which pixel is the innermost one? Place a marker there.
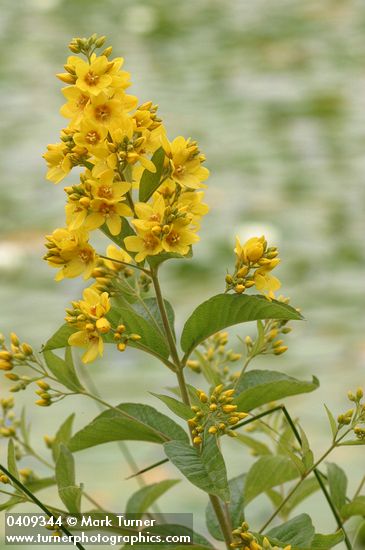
(274, 93)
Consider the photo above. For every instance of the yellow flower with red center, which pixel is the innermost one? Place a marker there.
(179, 239)
(93, 325)
(128, 150)
(93, 77)
(104, 111)
(92, 136)
(75, 106)
(186, 162)
(71, 252)
(150, 215)
(145, 243)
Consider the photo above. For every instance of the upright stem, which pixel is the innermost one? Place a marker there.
(216, 504)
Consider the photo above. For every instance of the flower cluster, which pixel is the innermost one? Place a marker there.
(354, 417)
(118, 144)
(15, 355)
(254, 263)
(8, 423)
(244, 539)
(270, 339)
(216, 414)
(89, 317)
(214, 356)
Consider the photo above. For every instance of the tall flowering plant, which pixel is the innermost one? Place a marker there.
(145, 193)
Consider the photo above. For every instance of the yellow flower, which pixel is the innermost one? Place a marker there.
(107, 205)
(94, 307)
(71, 252)
(179, 239)
(145, 243)
(186, 162)
(76, 103)
(265, 282)
(116, 254)
(120, 79)
(58, 162)
(93, 77)
(127, 149)
(191, 203)
(92, 136)
(105, 111)
(251, 251)
(149, 216)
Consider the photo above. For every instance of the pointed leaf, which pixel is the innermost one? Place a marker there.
(150, 181)
(134, 422)
(69, 493)
(327, 541)
(152, 341)
(151, 309)
(205, 469)
(299, 532)
(354, 508)
(332, 422)
(225, 310)
(62, 436)
(63, 369)
(143, 499)
(59, 338)
(177, 407)
(12, 465)
(268, 472)
(259, 387)
(337, 482)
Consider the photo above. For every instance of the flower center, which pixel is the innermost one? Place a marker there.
(173, 238)
(102, 112)
(85, 255)
(150, 242)
(80, 104)
(105, 191)
(92, 137)
(91, 79)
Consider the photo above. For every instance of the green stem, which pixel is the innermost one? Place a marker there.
(219, 512)
(34, 499)
(126, 264)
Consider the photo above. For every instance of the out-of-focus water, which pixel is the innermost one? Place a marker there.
(274, 92)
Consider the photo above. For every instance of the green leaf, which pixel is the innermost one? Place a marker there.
(135, 422)
(152, 341)
(258, 447)
(337, 482)
(354, 508)
(12, 466)
(299, 532)
(235, 507)
(267, 472)
(62, 436)
(143, 499)
(13, 501)
(151, 309)
(259, 387)
(60, 338)
(327, 541)
(225, 310)
(332, 422)
(24, 427)
(69, 493)
(177, 407)
(36, 485)
(63, 370)
(350, 442)
(308, 458)
(150, 181)
(205, 469)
